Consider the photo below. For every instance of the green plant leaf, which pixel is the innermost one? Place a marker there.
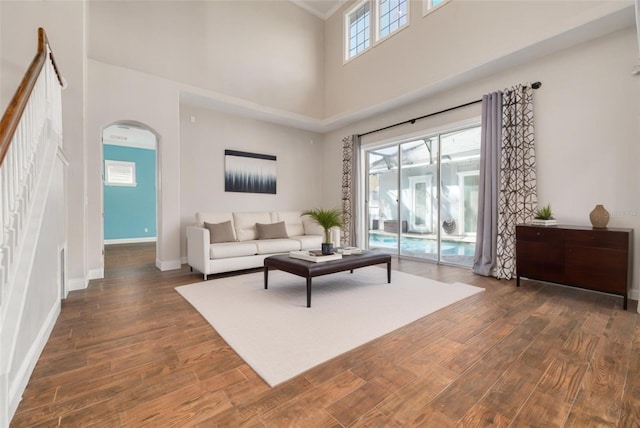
(326, 218)
(544, 213)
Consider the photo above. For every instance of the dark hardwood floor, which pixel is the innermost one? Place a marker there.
(130, 351)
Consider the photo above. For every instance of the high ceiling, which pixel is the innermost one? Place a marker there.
(321, 8)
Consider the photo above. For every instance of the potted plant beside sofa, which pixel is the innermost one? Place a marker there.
(327, 219)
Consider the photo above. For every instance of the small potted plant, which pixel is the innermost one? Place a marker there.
(327, 219)
(544, 217)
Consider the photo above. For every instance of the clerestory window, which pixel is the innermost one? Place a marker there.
(358, 30)
(430, 5)
(371, 21)
(392, 15)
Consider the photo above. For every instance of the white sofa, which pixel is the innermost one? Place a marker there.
(244, 250)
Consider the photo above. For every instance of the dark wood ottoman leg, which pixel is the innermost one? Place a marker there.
(266, 277)
(388, 272)
(309, 292)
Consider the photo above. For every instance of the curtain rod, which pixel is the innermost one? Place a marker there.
(534, 85)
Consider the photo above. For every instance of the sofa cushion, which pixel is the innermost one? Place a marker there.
(213, 218)
(226, 250)
(309, 242)
(273, 246)
(292, 220)
(271, 230)
(311, 227)
(220, 232)
(245, 224)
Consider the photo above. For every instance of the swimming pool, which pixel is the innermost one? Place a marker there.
(410, 244)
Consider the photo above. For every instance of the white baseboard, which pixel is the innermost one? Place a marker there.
(74, 284)
(168, 264)
(95, 274)
(635, 295)
(129, 240)
(26, 368)
(5, 416)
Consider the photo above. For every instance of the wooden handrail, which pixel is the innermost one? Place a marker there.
(16, 107)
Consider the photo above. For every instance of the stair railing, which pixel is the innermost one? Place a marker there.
(33, 114)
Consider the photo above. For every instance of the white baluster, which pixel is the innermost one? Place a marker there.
(38, 128)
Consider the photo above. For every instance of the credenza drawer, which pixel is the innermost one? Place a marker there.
(600, 239)
(538, 234)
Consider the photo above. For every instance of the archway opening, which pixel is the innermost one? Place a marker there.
(129, 192)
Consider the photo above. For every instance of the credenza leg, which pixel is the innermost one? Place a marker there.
(517, 281)
(624, 304)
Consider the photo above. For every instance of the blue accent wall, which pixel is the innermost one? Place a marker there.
(129, 210)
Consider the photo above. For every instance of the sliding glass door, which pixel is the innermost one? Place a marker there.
(459, 173)
(382, 199)
(419, 196)
(422, 197)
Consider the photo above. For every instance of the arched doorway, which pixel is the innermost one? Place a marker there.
(130, 191)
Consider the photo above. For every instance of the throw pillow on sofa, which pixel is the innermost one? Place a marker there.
(272, 230)
(220, 232)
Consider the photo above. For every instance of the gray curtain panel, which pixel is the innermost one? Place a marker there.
(350, 165)
(488, 188)
(517, 199)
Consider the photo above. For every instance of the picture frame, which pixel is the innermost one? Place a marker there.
(247, 172)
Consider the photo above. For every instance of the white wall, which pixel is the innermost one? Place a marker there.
(118, 94)
(267, 52)
(587, 117)
(456, 42)
(299, 154)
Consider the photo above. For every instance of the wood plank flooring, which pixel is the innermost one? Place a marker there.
(130, 351)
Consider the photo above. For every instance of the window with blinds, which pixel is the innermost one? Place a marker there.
(119, 173)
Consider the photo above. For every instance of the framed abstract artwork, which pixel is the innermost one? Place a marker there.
(249, 172)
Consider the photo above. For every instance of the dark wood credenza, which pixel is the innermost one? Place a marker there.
(580, 256)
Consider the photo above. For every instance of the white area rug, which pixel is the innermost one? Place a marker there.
(279, 337)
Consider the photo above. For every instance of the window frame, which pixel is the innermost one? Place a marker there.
(427, 6)
(347, 34)
(374, 27)
(120, 164)
(379, 39)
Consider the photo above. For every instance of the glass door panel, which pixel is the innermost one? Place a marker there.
(418, 199)
(382, 199)
(459, 173)
(427, 208)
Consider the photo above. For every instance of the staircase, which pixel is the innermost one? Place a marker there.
(32, 223)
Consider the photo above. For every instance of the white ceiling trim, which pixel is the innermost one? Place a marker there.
(619, 18)
(322, 9)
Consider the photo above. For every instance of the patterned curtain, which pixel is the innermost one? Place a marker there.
(350, 156)
(517, 200)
